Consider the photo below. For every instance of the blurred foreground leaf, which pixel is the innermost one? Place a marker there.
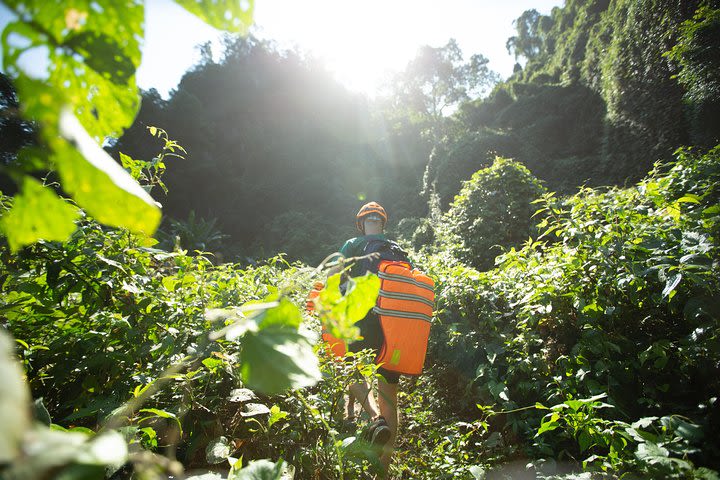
(339, 312)
(14, 401)
(37, 213)
(100, 185)
(259, 470)
(231, 15)
(276, 359)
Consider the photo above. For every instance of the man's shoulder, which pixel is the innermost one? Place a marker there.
(350, 245)
(352, 241)
(354, 246)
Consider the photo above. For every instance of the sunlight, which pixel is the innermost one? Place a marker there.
(361, 43)
(340, 36)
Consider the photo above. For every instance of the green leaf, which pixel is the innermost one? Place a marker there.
(644, 422)
(108, 448)
(357, 450)
(169, 283)
(276, 415)
(217, 450)
(686, 430)
(499, 390)
(254, 409)
(213, 363)
(27, 37)
(340, 312)
(101, 53)
(102, 107)
(91, 58)
(585, 441)
(231, 15)
(37, 214)
(276, 358)
(594, 398)
(671, 284)
(652, 453)
(241, 395)
(133, 167)
(477, 472)
(574, 405)
(99, 184)
(285, 314)
(259, 470)
(689, 198)
(162, 414)
(548, 426)
(159, 413)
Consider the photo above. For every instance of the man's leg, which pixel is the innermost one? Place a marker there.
(387, 400)
(361, 391)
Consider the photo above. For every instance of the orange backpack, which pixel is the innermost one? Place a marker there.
(404, 306)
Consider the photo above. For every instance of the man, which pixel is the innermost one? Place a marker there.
(382, 430)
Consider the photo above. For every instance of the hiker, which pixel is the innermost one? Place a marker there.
(382, 430)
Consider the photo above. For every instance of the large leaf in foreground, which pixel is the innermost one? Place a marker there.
(339, 312)
(14, 402)
(231, 15)
(37, 213)
(99, 184)
(276, 359)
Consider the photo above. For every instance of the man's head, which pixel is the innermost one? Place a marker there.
(371, 218)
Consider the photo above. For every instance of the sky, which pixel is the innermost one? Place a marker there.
(361, 41)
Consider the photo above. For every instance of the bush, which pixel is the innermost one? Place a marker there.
(492, 212)
(617, 300)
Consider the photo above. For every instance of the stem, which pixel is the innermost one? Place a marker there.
(529, 407)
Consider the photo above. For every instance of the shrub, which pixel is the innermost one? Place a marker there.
(492, 212)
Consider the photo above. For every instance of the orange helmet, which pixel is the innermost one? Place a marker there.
(367, 209)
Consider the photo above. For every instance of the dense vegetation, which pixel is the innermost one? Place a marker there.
(610, 315)
(577, 327)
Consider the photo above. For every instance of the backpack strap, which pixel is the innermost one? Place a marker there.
(387, 250)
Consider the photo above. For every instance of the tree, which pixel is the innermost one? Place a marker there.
(531, 30)
(276, 145)
(437, 80)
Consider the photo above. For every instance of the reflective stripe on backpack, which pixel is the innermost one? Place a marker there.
(407, 296)
(406, 279)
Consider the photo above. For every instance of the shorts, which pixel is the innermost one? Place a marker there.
(373, 339)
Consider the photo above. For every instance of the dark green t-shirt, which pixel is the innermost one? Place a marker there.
(355, 246)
